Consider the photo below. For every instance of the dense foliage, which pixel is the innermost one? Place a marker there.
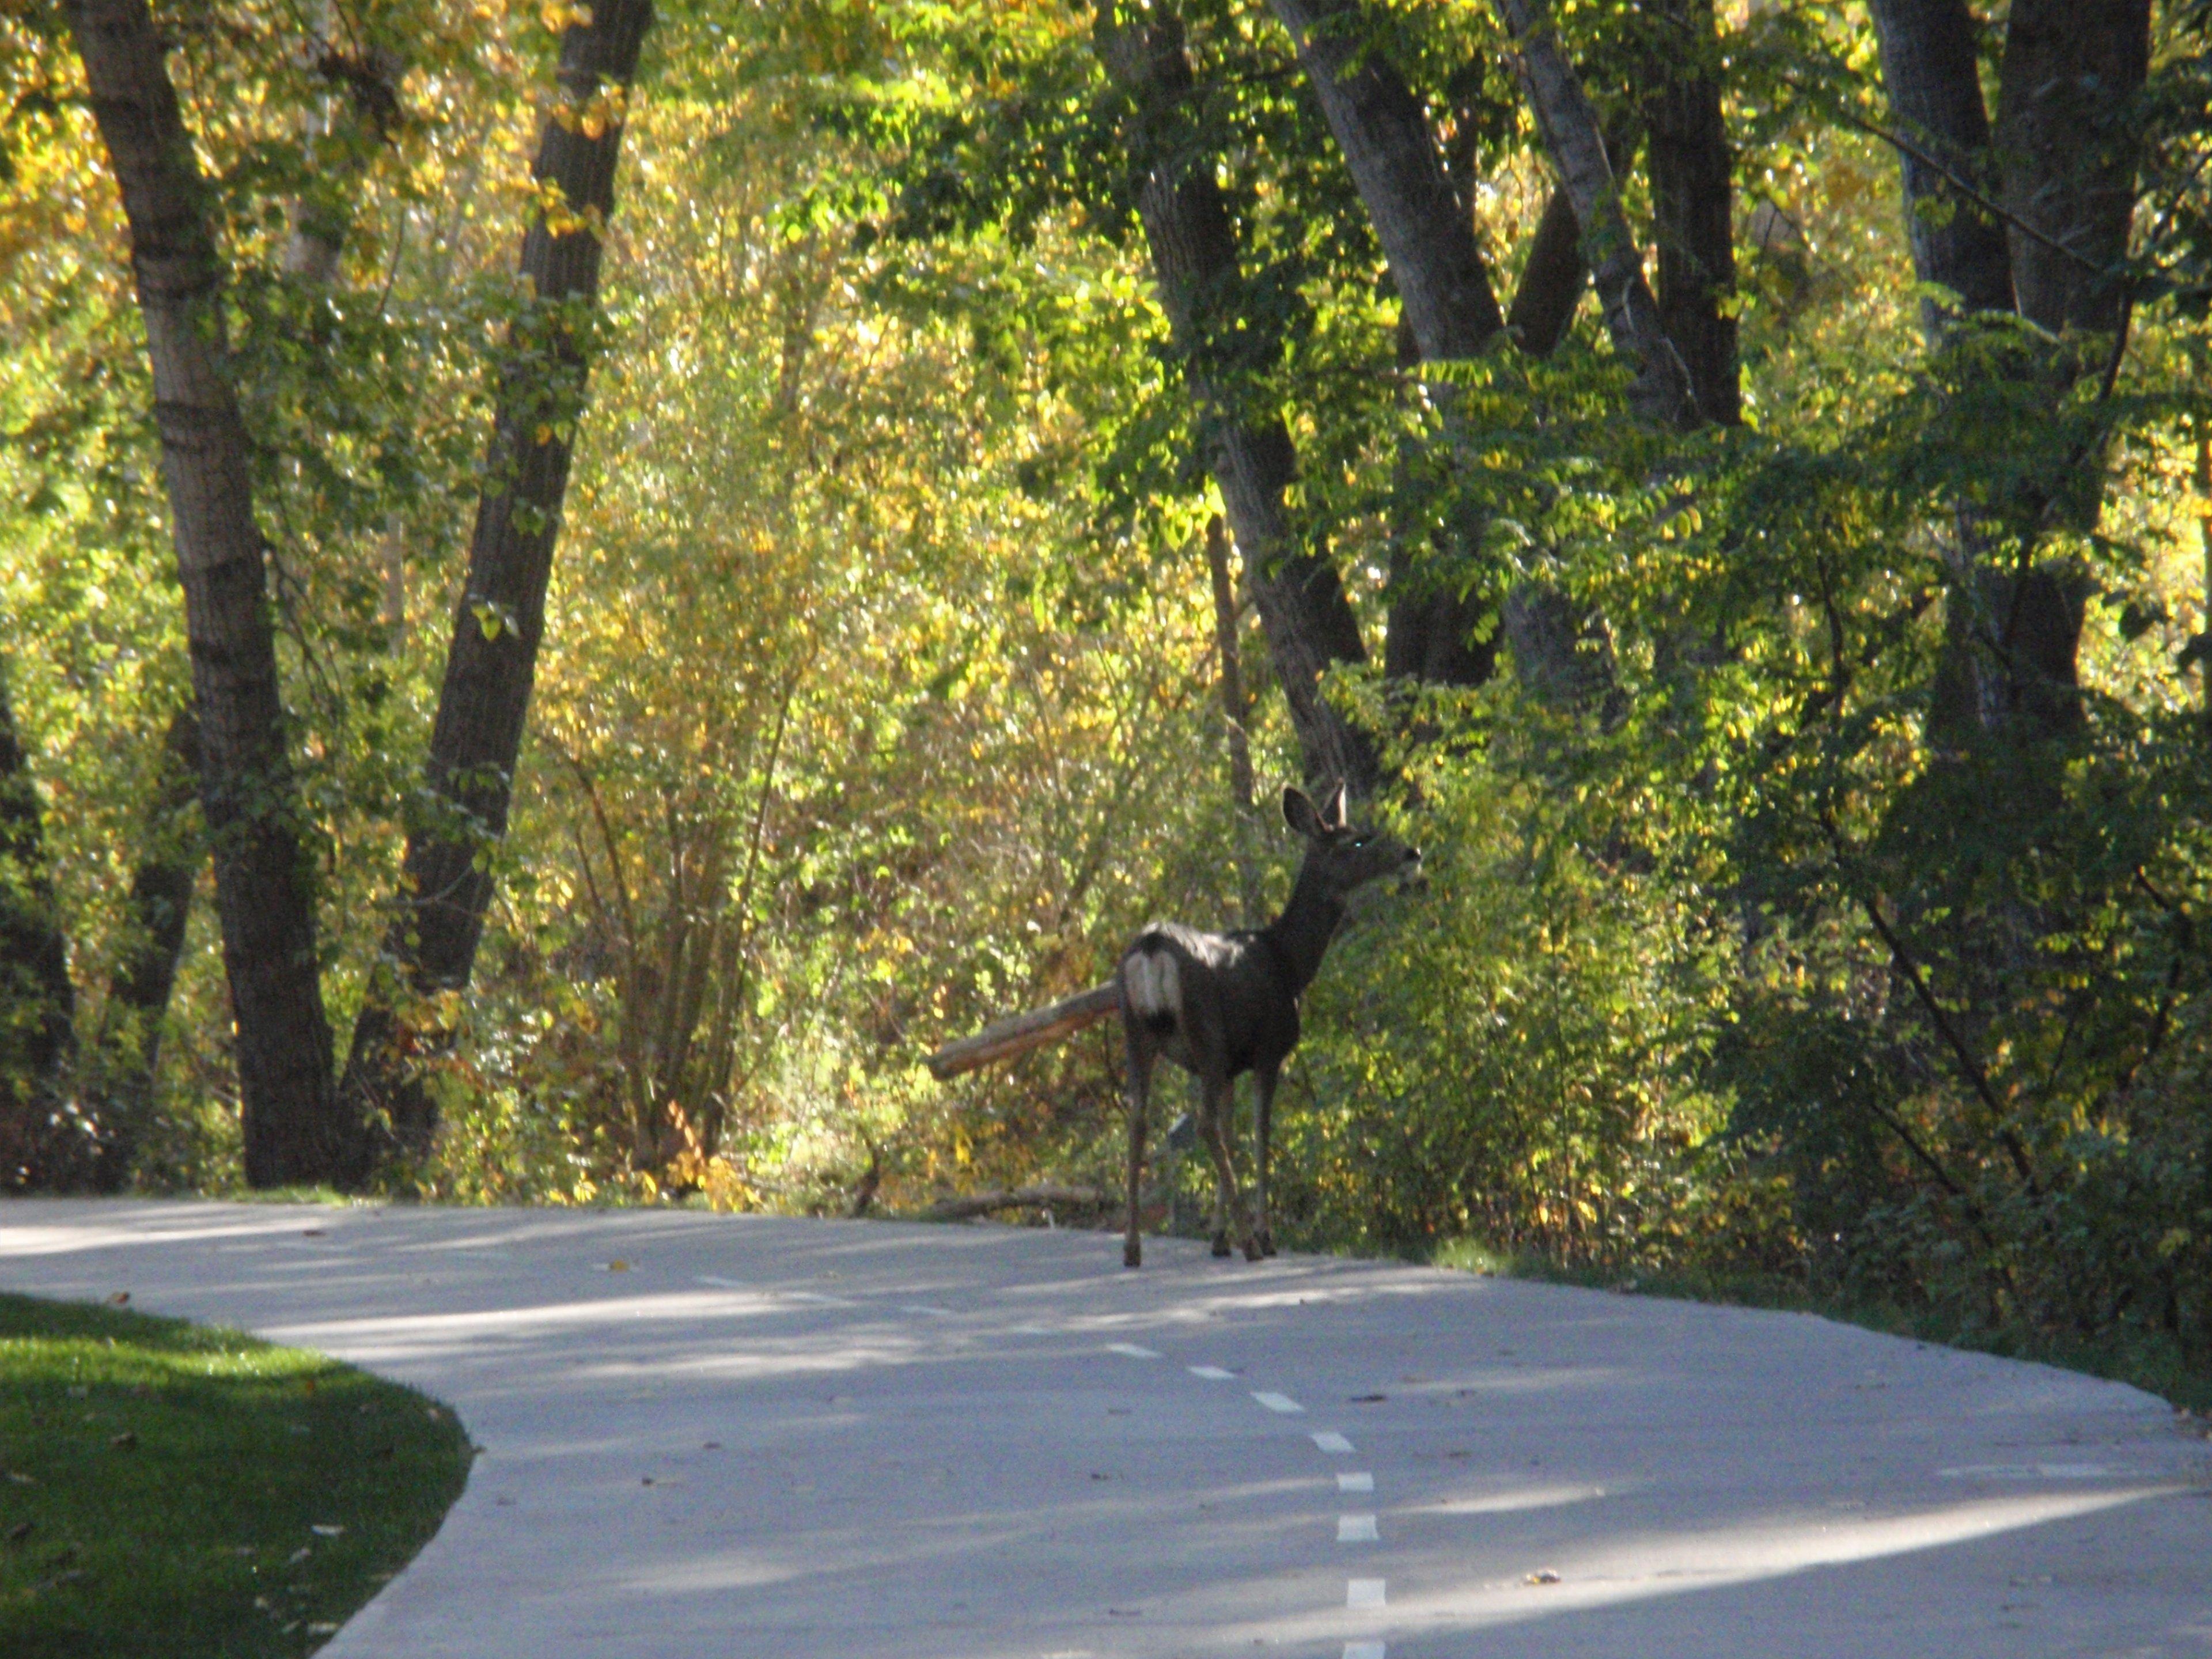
(1812, 935)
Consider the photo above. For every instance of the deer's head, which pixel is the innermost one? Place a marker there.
(1344, 856)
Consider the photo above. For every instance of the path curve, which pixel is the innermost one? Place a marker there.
(764, 1436)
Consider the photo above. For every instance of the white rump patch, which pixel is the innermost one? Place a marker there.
(1154, 983)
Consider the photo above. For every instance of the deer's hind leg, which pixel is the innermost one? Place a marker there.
(1138, 1086)
(1263, 1115)
(1228, 1202)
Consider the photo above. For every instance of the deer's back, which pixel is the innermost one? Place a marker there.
(1196, 991)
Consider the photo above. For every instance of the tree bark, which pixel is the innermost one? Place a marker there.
(1308, 621)
(38, 1002)
(1236, 716)
(493, 657)
(1235, 709)
(1929, 70)
(170, 856)
(2069, 166)
(1661, 392)
(1693, 205)
(294, 1129)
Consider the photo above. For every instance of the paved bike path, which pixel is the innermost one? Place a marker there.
(753, 1436)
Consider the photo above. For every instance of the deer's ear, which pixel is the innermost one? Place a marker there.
(1333, 814)
(1299, 812)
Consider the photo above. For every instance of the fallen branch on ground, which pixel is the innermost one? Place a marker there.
(1020, 1033)
(982, 1203)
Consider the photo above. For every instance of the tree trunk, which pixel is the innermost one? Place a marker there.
(1662, 391)
(1236, 715)
(294, 1129)
(1427, 235)
(493, 657)
(1693, 205)
(1308, 621)
(38, 1003)
(2069, 162)
(1930, 70)
(2010, 665)
(1449, 311)
(1432, 626)
(1552, 280)
(1448, 304)
(138, 996)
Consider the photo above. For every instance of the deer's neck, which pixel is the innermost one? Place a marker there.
(1301, 934)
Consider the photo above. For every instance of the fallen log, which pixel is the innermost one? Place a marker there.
(1018, 1034)
(982, 1203)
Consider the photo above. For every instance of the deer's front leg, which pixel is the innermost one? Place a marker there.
(1138, 1086)
(1263, 1089)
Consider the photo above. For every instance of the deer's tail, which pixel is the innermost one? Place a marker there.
(1151, 985)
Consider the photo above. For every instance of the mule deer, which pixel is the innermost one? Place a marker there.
(1220, 1005)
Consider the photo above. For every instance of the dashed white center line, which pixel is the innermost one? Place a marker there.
(1364, 1593)
(1362, 1481)
(924, 1308)
(1363, 1651)
(1133, 1350)
(1357, 1529)
(815, 1297)
(1330, 1441)
(722, 1284)
(1212, 1373)
(1278, 1402)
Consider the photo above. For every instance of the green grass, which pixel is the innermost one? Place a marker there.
(173, 1490)
(2149, 1360)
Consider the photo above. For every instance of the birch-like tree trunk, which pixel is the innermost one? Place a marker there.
(294, 1128)
(492, 660)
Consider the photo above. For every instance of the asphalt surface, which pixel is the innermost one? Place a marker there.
(707, 1436)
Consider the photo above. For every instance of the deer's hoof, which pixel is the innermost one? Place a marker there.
(1267, 1243)
(1252, 1250)
(1221, 1244)
(1133, 1255)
